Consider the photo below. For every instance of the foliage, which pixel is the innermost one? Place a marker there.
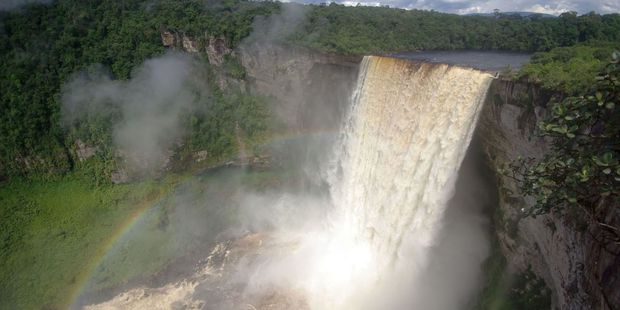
(51, 232)
(512, 292)
(41, 46)
(570, 70)
(59, 237)
(367, 30)
(504, 290)
(215, 128)
(233, 66)
(581, 174)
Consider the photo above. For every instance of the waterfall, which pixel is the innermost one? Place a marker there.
(407, 132)
(401, 146)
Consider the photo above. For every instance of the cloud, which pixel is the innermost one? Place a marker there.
(7, 5)
(146, 110)
(276, 27)
(554, 7)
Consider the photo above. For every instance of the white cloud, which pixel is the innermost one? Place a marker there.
(554, 7)
(546, 9)
(471, 10)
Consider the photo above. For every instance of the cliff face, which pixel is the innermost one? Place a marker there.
(215, 47)
(545, 244)
(580, 273)
(310, 90)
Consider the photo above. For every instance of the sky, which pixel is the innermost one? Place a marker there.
(554, 7)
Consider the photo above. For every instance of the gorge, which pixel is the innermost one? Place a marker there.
(365, 241)
(246, 155)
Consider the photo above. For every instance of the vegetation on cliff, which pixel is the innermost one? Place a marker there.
(580, 176)
(43, 45)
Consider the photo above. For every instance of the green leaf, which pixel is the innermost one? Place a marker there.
(610, 105)
(604, 160)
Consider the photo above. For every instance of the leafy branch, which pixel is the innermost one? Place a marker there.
(582, 172)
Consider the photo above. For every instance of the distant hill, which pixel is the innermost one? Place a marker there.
(520, 14)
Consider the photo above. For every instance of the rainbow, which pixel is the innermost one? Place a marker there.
(123, 231)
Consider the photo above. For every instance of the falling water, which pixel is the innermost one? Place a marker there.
(406, 134)
(408, 130)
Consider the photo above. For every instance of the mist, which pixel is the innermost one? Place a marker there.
(276, 27)
(146, 110)
(298, 244)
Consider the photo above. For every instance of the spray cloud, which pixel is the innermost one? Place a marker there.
(146, 110)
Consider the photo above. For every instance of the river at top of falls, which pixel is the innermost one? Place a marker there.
(482, 60)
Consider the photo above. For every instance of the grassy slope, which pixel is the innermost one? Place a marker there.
(55, 235)
(51, 231)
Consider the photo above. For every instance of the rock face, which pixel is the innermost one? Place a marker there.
(169, 38)
(216, 50)
(311, 90)
(190, 45)
(83, 151)
(570, 262)
(215, 47)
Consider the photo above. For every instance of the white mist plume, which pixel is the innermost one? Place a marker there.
(386, 239)
(148, 106)
(276, 27)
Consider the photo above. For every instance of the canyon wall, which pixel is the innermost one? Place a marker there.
(312, 90)
(545, 244)
(579, 271)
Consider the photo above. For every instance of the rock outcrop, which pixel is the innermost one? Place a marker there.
(83, 151)
(216, 50)
(214, 46)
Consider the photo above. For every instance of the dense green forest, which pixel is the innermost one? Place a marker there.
(580, 177)
(571, 70)
(42, 46)
(363, 30)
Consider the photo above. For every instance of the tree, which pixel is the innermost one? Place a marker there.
(581, 175)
